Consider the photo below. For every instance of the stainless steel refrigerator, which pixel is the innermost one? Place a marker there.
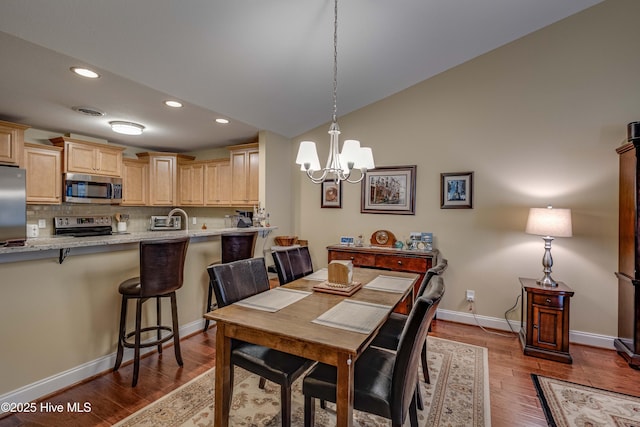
(13, 206)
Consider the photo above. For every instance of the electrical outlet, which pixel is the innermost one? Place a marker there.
(194, 220)
(42, 223)
(471, 295)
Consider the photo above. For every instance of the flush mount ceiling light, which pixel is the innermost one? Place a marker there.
(173, 104)
(89, 111)
(339, 165)
(127, 128)
(222, 121)
(85, 72)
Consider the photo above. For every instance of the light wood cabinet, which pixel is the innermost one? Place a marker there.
(43, 164)
(11, 143)
(217, 183)
(90, 157)
(163, 177)
(191, 184)
(135, 182)
(245, 162)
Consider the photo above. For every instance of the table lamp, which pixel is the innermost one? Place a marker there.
(549, 223)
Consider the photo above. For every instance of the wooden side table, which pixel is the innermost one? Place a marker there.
(544, 321)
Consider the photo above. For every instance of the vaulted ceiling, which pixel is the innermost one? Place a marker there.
(264, 65)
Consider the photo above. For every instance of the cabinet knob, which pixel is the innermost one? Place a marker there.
(535, 326)
(548, 301)
(399, 262)
(352, 258)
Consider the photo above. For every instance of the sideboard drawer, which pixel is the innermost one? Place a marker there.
(359, 260)
(401, 263)
(554, 301)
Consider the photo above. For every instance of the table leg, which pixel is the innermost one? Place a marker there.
(344, 392)
(223, 377)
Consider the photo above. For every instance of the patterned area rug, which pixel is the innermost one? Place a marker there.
(457, 396)
(569, 404)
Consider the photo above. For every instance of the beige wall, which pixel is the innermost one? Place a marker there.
(538, 121)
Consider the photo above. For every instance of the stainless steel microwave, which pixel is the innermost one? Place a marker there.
(82, 188)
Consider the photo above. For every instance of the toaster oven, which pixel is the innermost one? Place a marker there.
(165, 223)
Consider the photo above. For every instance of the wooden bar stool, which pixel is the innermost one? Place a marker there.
(234, 247)
(161, 274)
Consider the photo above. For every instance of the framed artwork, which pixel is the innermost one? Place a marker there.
(331, 194)
(456, 190)
(389, 190)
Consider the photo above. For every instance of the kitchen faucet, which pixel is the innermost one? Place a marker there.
(186, 217)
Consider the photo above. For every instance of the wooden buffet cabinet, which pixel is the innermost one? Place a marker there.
(628, 342)
(386, 259)
(544, 323)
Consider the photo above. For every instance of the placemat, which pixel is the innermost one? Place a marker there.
(321, 275)
(389, 284)
(356, 316)
(273, 300)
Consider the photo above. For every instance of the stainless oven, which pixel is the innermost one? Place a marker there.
(82, 188)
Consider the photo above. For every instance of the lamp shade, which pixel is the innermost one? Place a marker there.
(307, 154)
(549, 222)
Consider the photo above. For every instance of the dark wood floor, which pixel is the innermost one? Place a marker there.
(513, 398)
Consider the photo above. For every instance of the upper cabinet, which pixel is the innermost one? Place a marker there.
(245, 161)
(163, 176)
(217, 183)
(135, 182)
(90, 157)
(190, 183)
(44, 180)
(11, 143)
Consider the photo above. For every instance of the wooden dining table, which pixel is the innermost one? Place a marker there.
(292, 330)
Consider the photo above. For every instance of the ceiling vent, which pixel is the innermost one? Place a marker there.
(89, 111)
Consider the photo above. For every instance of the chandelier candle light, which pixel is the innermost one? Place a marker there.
(548, 222)
(339, 164)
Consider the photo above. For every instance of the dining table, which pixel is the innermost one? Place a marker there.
(326, 327)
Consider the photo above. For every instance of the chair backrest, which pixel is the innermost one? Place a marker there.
(438, 269)
(292, 264)
(238, 280)
(235, 246)
(414, 334)
(162, 265)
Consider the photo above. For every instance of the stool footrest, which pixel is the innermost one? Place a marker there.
(130, 344)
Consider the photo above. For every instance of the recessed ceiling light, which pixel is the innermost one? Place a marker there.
(127, 128)
(173, 104)
(85, 72)
(89, 111)
(222, 121)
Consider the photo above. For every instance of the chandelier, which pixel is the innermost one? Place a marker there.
(339, 164)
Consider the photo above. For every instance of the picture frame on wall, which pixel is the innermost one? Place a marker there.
(456, 190)
(389, 190)
(331, 194)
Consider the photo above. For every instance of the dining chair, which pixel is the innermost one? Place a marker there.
(234, 247)
(389, 334)
(292, 263)
(161, 275)
(385, 382)
(238, 280)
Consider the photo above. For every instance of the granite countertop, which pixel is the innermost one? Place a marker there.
(64, 242)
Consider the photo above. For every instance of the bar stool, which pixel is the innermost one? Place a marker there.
(161, 274)
(234, 247)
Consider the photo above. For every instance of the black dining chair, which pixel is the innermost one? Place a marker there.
(385, 382)
(238, 280)
(234, 247)
(292, 263)
(389, 334)
(161, 275)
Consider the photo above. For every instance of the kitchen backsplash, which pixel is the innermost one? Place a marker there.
(138, 216)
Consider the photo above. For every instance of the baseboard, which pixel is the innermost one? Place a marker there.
(44, 387)
(577, 337)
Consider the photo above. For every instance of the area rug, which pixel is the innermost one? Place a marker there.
(569, 404)
(457, 396)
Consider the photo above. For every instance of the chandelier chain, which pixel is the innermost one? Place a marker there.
(334, 117)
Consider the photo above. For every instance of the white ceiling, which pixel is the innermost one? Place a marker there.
(265, 65)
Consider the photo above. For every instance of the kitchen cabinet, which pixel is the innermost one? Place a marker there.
(43, 164)
(245, 162)
(386, 259)
(11, 143)
(90, 157)
(163, 177)
(544, 323)
(190, 183)
(217, 183)
(135, 182)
